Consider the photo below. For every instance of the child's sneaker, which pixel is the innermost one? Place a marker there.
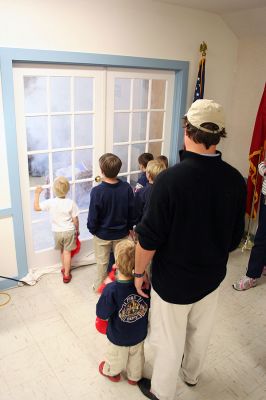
(115, 378)
(66, 279)
(132, 382)
(245, 283)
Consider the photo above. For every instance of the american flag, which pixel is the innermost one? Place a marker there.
(199, 89)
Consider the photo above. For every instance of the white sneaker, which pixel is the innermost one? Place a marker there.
(245, 283)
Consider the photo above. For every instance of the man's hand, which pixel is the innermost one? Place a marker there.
(142, 283)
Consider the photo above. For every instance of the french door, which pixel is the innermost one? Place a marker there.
(67, 117)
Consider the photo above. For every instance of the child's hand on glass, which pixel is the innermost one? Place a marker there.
(38, 189)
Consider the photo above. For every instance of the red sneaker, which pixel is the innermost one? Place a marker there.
(132, 382)
(115, 378)
(66, 279)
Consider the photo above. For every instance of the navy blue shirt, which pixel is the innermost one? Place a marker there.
(126, 311)
(142, 198)
(111, 211)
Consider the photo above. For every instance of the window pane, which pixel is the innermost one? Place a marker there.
(62, 164)
(35, 94)
(139, 125)
(158, 94)
(140, 93)
(82, 193)
(83, 129)
(37, 133)
(156, 125)
(136, 150)
(133, 180)
(122, 94)
(42, 235)
(61, 131)
(155, 148)
(38, 169)
(122, 153)
(123, 178)
(121, 127)
(84, 233)
(83, 94)
(60, 93)
(83, 163)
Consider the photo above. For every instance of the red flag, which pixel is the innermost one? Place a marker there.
(256, 155)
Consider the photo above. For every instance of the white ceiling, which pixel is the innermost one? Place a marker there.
(245, 18)
(219, 6)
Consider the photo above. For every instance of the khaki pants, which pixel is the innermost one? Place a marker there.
(102, 250)
(179, 330)
(119, 358)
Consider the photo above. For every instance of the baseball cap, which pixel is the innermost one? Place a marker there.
(203, 111)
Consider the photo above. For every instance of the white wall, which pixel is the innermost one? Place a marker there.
(125, 27)
(142, 28)
(248, 89)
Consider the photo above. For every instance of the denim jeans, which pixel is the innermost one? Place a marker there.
(257, 258)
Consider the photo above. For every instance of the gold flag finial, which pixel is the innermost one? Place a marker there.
(203, 48)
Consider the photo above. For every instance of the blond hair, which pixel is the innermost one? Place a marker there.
(125, 257)
(61, 186)
(154, 167)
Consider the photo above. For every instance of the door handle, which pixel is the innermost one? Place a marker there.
(98, 178)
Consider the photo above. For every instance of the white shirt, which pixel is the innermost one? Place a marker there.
(61, 213)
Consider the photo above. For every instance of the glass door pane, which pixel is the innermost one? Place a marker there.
(139, 116)
(59, 116)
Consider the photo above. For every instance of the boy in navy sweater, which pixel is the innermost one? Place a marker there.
(143, 160)
(111, 213)
(142, 196)
(127, 314)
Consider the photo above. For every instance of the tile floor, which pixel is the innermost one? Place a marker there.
(50, 350)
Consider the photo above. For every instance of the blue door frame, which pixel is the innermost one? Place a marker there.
(8, 56)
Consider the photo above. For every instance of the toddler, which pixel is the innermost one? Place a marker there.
(65, 223)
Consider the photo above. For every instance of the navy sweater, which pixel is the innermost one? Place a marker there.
(126, 311)
(111, 211)
(196, 216)
(142, 198)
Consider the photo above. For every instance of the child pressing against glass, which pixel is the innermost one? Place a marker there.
(64, 218)
(127, 315)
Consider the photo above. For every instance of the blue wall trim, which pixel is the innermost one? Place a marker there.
(10, 55)
(6, 212)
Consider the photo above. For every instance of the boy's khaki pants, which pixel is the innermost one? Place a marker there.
(179, 331)
(102, 250)
(120, 358)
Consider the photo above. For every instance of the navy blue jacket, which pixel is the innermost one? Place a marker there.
(142, 198)
(126, 311)
(196, 216)
(111, 211)
(143, 179)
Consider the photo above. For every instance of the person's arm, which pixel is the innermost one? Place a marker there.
(142, 259)
(240, 218)
(76, 223)
(37, 193)
(75, 218)
(92, 221)
(106, 304)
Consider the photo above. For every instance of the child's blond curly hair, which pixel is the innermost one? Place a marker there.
(154, 167)
(125, 257)
(61, 186)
